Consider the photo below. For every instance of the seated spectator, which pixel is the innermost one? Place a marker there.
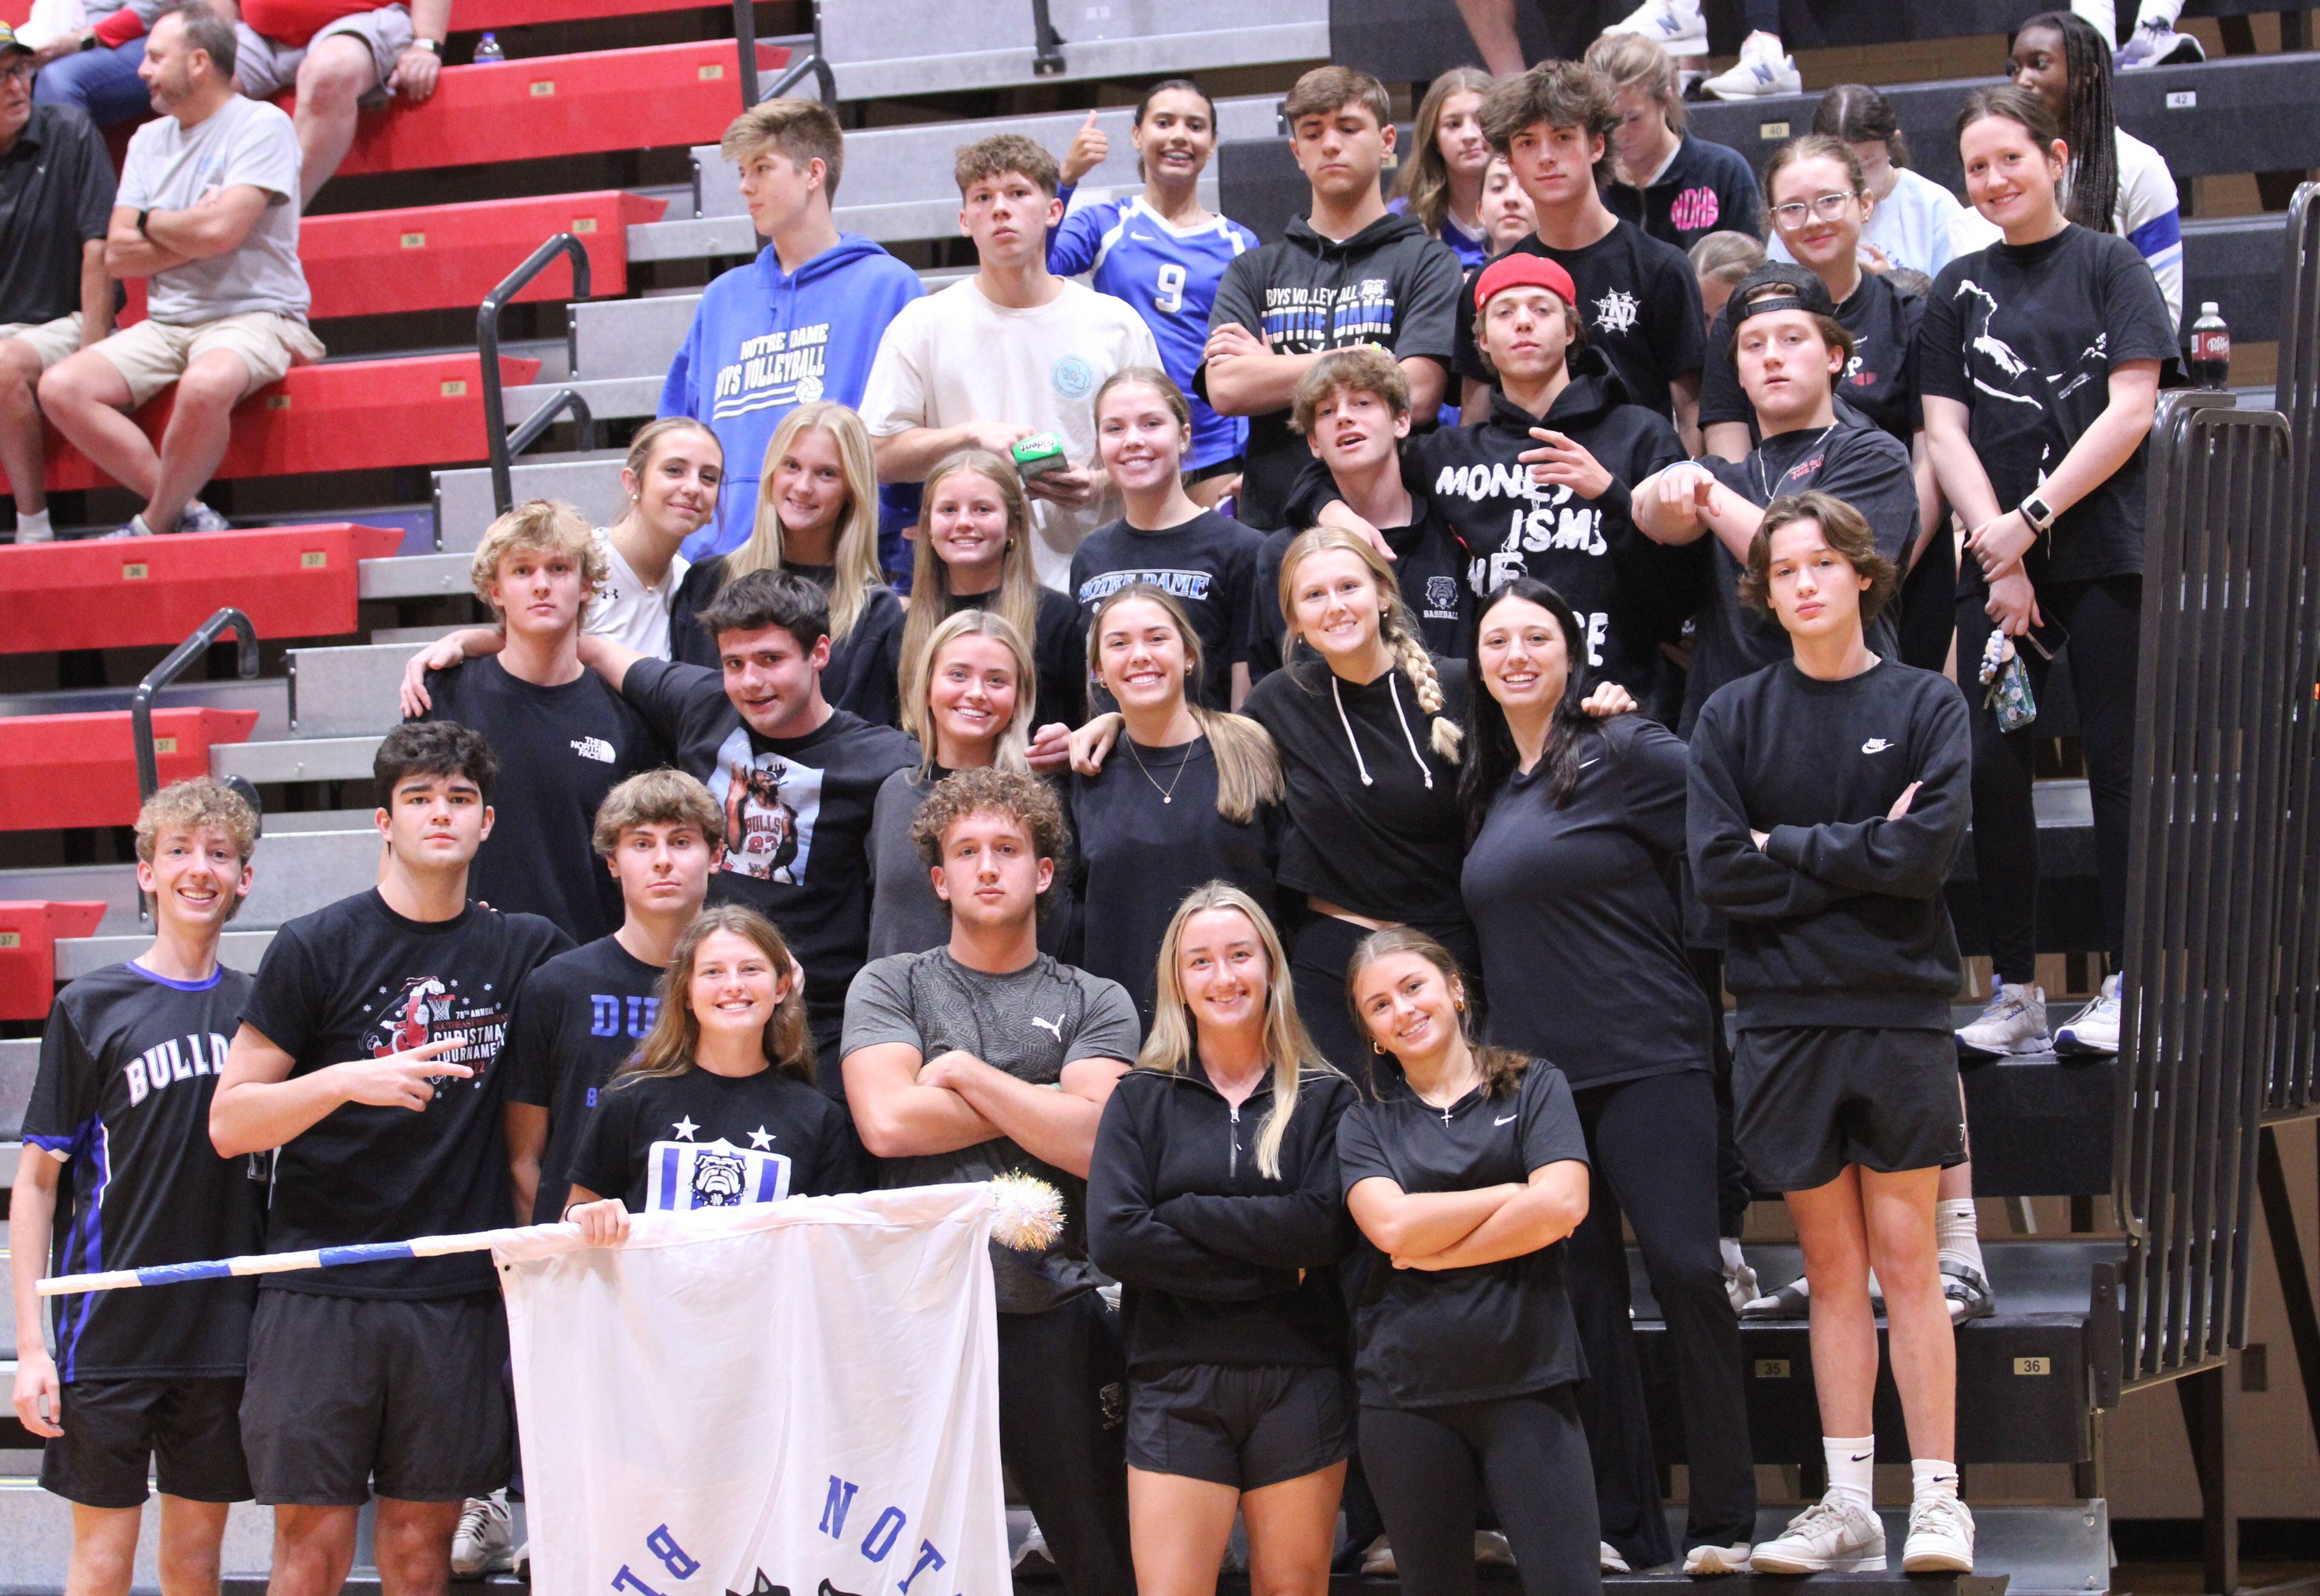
(1164, 253)
(1674, 187)
(802, 322)
(1442, 185)
(94, 67)
(1508, 215)
(208, 211)
(1677, 27)
(2155, 42)
(1916, 223)
(56, 296)
(1718, 262)
(1344, 273)
(1011, 352)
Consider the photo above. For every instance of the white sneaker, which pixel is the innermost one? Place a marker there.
(485, 1542)
(2015, 1023)
(1033, 1553)
(1377, 1560)
(1676, 26)
(1829, 1536)
(1612, 1562)
(2095, 1028)
(1761, 72)
(1710, 1560)
(1941, 1536)
(1739, 1275)
(198, 517)
(2156, 43)
(1491, 1550)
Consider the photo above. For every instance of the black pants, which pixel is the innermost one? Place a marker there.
(1928, 604)
(1063, 1417)
(1651, 1145)
(2104, 623)
(1324, 947)
(1733, 1191)
(1430, 1467)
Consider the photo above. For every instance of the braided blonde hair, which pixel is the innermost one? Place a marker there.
(1395, 628)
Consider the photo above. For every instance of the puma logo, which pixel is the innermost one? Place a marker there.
(1875, 745)
(1054, 1027)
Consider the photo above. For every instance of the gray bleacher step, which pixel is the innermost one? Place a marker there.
(464, 510)
(296, 872)
(36, 1541)
(20, 1060)
(298, 760)
(347, 692)
(618, 398)
(77, 956)
(413, 576)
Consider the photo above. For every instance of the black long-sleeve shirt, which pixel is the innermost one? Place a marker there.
(1208, 1247)
(1838, 919)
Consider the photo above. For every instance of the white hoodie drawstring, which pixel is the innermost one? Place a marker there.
(1361, 765)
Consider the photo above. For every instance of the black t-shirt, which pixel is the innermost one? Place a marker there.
(1208, 565)
(794, 825)
(560, 750)
(578, 1019)
(1869, 470)
(1429, 566)
(1575, 908)
(1707, 187)
(1389, 284)
(56, 195)
(1145, 833)
(1426, 1338)
(1880, 382)
(1060, 653)
(1640, 305)
(1373, 822)
(703, 1141)
(861, 676)
(2026, 338)
(357, 980)
(128, 1065)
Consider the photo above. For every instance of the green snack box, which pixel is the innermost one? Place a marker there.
(1039, 454)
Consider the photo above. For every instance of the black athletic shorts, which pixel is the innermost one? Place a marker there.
(1244, 1426)
(347, 1394)
(1806, 1101)
(189, 1430)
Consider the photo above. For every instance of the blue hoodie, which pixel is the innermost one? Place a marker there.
(763, 343)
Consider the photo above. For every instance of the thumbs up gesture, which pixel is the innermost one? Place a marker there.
(1089, 146)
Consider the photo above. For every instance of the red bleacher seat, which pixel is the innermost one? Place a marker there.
(347, 416)
(469, 15)
(81, 770)
(441, 257)
(28, 933)
(550, 106)
(292, 581)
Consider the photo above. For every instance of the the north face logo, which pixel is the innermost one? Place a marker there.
(593, 748)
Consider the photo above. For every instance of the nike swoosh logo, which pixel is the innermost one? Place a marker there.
(1509, 1120)
(1863, 1456)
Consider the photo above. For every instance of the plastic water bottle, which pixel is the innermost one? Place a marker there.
(488, 53)
(2211, 348)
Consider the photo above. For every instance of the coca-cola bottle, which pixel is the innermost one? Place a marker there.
(2211, 348)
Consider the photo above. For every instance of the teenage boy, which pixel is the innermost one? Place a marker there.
(794, 780)
(563, 739)
(122, 1102)
(579, 1016)
(800, 322)
(1344, 273)
(1552, 125)
(987, 1055)
(1011, 351)
(367, 1054)
(1539, 487)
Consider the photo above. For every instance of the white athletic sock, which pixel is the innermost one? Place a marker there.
(33, 527)
(1957, 1234)
(1931, 1477)
(1851, 1468)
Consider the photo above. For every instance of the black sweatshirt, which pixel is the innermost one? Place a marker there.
(1208, 1247)
(1838, 920)
(1429, 566)
(1373, 824)
(862, 674)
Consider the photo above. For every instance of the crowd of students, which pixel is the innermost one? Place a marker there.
(1509, 747)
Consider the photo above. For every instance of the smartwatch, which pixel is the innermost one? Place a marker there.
(89, 41)
(2037, 512)
(140, 224)
(433, 46)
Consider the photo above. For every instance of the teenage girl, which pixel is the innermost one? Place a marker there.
(1213, 1198)
(1443, 187)
(1916, 221)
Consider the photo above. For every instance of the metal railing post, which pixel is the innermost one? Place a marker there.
(502, 444)
(141, 703)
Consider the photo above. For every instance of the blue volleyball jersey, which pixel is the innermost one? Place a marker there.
(1170, 275)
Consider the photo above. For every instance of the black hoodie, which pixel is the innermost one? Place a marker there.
(1390, 285)
(1629, 592)
(1209, 1249)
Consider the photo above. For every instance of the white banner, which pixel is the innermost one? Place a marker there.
(794, 1399)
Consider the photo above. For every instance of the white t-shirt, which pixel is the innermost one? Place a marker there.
(954, 357)
(625, 610)
(170, 167)
(1913, 225)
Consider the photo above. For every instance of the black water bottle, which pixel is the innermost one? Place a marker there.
(2211, 348)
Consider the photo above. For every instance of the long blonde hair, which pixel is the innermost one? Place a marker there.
(1170, 1046)
(669, 1047)
(1012, 752)
(857, 550)
(1248, 767)
(1395, 628)
(1425, 181)
(1017, 597)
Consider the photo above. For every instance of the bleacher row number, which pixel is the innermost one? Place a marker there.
(415, 241)
(277, 402)
(712, 73)
(165, 745)
(454, 387)
(2182, 99)
(1772, 1368)
(135, 572)
(314, 560)
(543, 87)
(584, 225)
(11, 938)
(2034, 1365)
(1770, 130)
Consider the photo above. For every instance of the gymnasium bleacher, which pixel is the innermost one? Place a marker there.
(363, 483)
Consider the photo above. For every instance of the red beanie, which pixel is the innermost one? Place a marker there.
(1521, 268)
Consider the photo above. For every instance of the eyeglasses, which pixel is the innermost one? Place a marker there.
(1828, 207)
(22, 67)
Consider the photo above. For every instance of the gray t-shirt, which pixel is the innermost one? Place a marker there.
(171, 168)
(1030, 1023)
(905, 915)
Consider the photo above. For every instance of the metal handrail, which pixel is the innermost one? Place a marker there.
(503, 444)
(141, 703)
(744, 37)
(1047, 44)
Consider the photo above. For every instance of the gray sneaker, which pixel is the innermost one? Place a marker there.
(485, 1542)
(2013, 1025)
(198, 517)
(1830, 1537)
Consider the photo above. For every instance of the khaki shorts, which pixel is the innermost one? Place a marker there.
(51, 340)
(266, 66)
(152, 354)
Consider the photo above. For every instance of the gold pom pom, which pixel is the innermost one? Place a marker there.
(1028, 1212)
